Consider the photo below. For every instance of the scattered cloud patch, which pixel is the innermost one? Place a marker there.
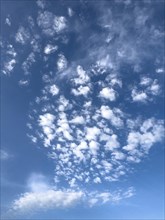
(8, 21)
(54, 90)
(23, 82)
(108, 93)
(50, 23)
(50, 49)
(22, 35)
(62, 63)
(43, 197)
(139, 96)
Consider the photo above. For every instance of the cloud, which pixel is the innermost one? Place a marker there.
(28, 63)
(111, 197)
(8, 21)
(60, 23)
(9, 66)
(159, 70)
(82, 113)
(154, 89)
(43, 197)
(70, 12)
(139, 96)
(108, 93)
(140, 142)
(62, 63)
(50, 23)
(46, 121)
(41, 4)
(149, 89)
(92, 133)
(54, 90)
(61, 199)
(49, 199)
(82, 78)
(113, 116)
(82, 90)
(78, 120)
(50, 49)
(22, 35)
(4, 155)
(23, 82)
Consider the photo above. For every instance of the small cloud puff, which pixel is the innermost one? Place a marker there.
(108, 93)
(62, 63)
(50, 49)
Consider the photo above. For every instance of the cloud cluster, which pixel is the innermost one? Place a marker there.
(85, 114)
(43, 197)
(147, 90)
(50, 23)
(80, 132)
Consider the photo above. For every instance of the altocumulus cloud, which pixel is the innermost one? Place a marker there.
(84, 114)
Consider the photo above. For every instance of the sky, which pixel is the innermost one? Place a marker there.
(82, 109)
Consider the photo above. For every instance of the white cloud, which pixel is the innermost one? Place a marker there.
(43, 197)
(59, 23)
(139, 143)
(11, 51)
(118, 155)
(83, 145)
(106, 112)
(108, 93)
(112, 143)
(8, 21)
(82, 90)
(145, 81)
(62, 62)
(51, 24)
(92, 133)
(50, 199)
(50, 49)
(139, 96)
(107, 166)
(9, 66)
(28, 63)
(23, 82)
(54, 90)
(115, 119)
(82, 78)
(105, 62)
(154, 88)
(41, 4)
(94, 147)
(100, 198)
(97, 180)
(159, 70)
(46, 121)
(22, 35)
(79, 154)
(70, 12)
(78, 120)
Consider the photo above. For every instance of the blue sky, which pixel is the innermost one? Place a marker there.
(82, 109)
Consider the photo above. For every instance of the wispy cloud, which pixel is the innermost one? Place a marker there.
(5, 155)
